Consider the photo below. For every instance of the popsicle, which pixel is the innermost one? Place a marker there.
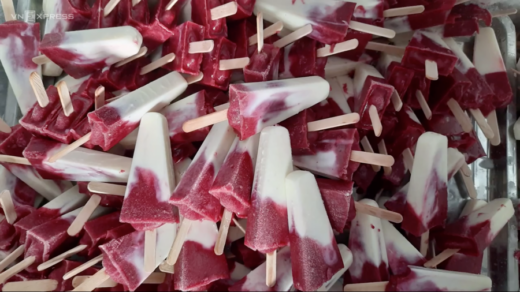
(15, 142)
(192, 191)
(123, 257)
(263, 65)
(79, 165)
(97, 232)
(116, 120)
(373, 95)
(426, 200)
(436, 13)
(396, 74)
(268, 198)
(215, 74)
(255, 280)
(204, 12)
(106, 46)
(338, 201)
(151, 178)
(300, 59)
(428, 53)
(18, 46)
(198, 265)
(314, 252)
(367, 243)
(338, 155)
(341, 90)
(62, 204)
(401, 253)
(463, 20)
(406, 133)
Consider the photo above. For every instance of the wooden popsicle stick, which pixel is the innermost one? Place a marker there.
(482, 123)
(385, 48)
(99, 97)
(376, 121)
(465, 170)
(31, 285)
(223, 232)
(142, 52)
(505, 12)
(106, 188)
(59, 258)
(430, 70)
(270, 266)
(9, 12)
(374, 286)
(372, 29)
(368, 148)
(41, 59)
(438, 259)
(193, 79)
(7, 274)
(39, 89)
(333, 122)
(201, 47)
(396, 101)
(470, 186)
(260, 31)
(63, 92)
(14, 159)
(269, 31)
(402, 11)
(135, 2)
(11, 258)
(425, 239)
(78, 280)
(179, 242)
(371, 158)
(150, 239)
(381, 146)
(77, 225)
(378, 212)
(204, 121)
(221, 107)
(293, 36)
(170, 4)
(408, 159)
(493, 123)
(155, 278)
(93, 282)
(6, 202)
(164, 267)
(69, 148)
(338, 48)
(83, 267)
(110, 6)
(224, 10)
(158, 63)
(460, 115)
(457, 2)
(239, 225)
(232, 64)
(4, 127)
(424, 104)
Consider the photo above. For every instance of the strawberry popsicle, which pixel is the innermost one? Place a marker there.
(406, 133)
(116, 120)
(15, 142)
(254, 106)
(192, 191)
(263, 65)
(336, 282)
(473, 233)
(367, 243)
(234, 181)
(123, 257)
(395, 74)
(38, 117)
(62, 204)
(193, 106)
(179, 44)
(302, 141)
(255, 280)
(268, 198)
(373, 95)
(201, 14)
(401, 253)
(151, 178)
(79, 165)
(18, 45)
(435, 13)
(426, 201)
(329, 19)
(487, 58)
(463, 20)
(314, 253)
(223, 49)
(300, 59)
(429, 47)
(198, 265)
(338, 201)
(79, 57)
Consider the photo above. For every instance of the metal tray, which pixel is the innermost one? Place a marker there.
(495, 176)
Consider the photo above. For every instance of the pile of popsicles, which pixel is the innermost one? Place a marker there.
(207, 145)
